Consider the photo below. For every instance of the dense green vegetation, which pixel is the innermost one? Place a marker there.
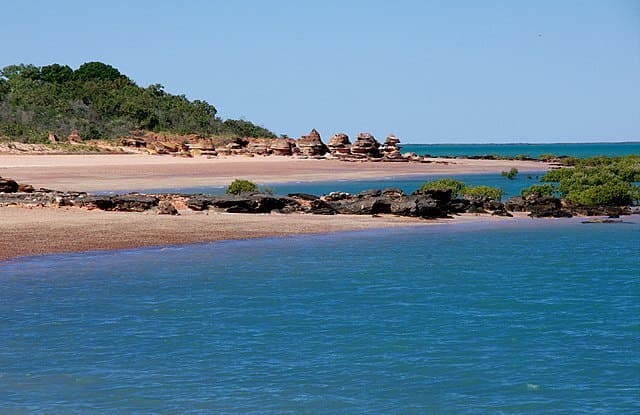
(458, 189)
(97, 101)
(595, 181)
(446, 183)
(240, 185)
(538, 190)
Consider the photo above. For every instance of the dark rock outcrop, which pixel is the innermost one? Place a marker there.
(242, 203)
(8, 185)
(130, 202)
(610, 211)
(425, 204)
(25, 188)
(538, 206)
(307, 203)
(167, 208)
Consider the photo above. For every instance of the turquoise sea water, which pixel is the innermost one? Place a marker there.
(530, 317)
(581, 150)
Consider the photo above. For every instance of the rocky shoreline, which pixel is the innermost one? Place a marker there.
(364, 148)
(427, 204)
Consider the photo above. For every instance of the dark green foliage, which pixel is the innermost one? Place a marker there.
(247, 129)
(97, 71)
(511, 174)
(539, 190)
(598, 181)
(458, 188)
(483, 192)
(446, 183)
(56, 73)
(240, 185)
(97, 101)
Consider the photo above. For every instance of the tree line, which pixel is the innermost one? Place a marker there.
(99, 102)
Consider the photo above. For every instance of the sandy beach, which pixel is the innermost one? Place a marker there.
(34, 231)
(122, 172)
(51, 230)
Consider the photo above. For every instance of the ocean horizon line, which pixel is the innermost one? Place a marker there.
(520, 143)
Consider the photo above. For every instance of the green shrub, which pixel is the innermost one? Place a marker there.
(240, 185)
(483, 191)
(511, 174)
(598, 181)
(546, 189)
(446, 183)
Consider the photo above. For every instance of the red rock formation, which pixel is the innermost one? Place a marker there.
(339, 145)
(281, 147)
(74, 137)
(258, 146)
(365, 146)
(311, 145)
(390, 144)
(390, 150)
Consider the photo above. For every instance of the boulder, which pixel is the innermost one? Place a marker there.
(53, 139)
(132, 142)
(426, 204)
(610, 211)
(459, 205)
(538, 206)
(515, 204)
(365, 146)
(393, 193)
(130, 202)
(25, 188)
(259, 146)
(311, 145)
(307, 203)
(167, 208)
(248, 202)
(8, 185)
(394, 156)
(281, 147)
(74, 137)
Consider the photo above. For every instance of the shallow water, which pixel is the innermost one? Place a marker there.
(534, 317)
(581, 150)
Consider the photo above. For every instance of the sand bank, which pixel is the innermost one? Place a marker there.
(102, 172)
(53, 230)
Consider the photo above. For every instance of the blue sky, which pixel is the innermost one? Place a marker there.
(441, 72)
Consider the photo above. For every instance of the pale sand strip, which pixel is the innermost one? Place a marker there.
(25, 231)
(34, 231)
(121, 172)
